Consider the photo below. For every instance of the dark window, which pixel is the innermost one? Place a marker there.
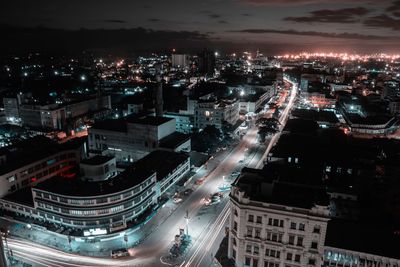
(289, 256)
(291, 239)
(314, 245)
(251, 218)
(297, 258)
(299, 241)
(247, 261)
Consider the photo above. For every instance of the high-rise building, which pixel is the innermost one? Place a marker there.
(179, 60)
(206, 62)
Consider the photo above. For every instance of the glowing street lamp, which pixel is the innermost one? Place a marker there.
(83, 78)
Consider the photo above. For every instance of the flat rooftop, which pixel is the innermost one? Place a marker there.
(79, 188)
(96, 160)
(162, 162)
(31, 150)
(149, 120)
(261, 188)
(22, 196)
(356, 236)
(118, 125)
(314, 115)
(174, 140)
(121, 125)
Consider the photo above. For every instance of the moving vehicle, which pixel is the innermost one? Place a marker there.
(118, 253)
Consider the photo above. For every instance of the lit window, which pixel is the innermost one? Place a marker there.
(328, 169)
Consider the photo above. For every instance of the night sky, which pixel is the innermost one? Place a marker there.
(270, 25)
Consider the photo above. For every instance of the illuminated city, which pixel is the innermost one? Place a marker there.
(229, 133)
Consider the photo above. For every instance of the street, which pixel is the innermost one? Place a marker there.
(206, 224)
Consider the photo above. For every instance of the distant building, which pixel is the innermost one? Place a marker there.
(179, 60)
(394, 106)
(184, 122)
(206, 63)
(11, 109)
(255, 99)
(135, 108)
(131, 139)
(56, 116)
(217, 113)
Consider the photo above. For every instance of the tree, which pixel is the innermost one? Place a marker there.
(267, 126)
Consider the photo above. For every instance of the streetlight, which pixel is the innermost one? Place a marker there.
(83, 78)
(187, 222)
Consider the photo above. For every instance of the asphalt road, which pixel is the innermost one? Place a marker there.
(206, 224)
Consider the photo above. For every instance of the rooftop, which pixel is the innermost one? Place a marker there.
(31, 150)
(22, 196)
(263, 189)
(96, 160)
(160, 161)
(174, 140)
(120, 125)
(77, 187)
(314, 115)
(149, 120)
(361, 237)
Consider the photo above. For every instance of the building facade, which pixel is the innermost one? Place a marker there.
(131, 140)
(20, 170)
(274, 235)
(216, 113)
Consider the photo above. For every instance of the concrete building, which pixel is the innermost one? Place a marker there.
(100, 206)
(131, 139)
(184, 122)
(56, 116)
(253, 102)
(218, 113)
(35, 160)
(98, 168)
(276, 224)
(11, 109)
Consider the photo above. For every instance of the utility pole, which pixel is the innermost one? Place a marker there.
(187, 222)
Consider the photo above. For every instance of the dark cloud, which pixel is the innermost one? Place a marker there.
(214, 16)
(383, 21)
(154, 20)
(344, 15)
(116, 21)
(299, 2)
(112, 40)
(222, 22)
(344, 35)
(395, 6)
(247, 15)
